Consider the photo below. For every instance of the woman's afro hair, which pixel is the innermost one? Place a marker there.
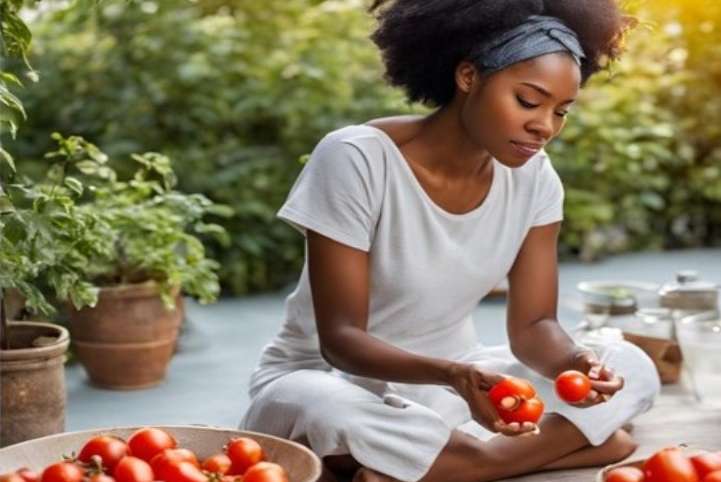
(422, 41)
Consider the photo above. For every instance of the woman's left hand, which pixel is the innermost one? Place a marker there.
(604, 382)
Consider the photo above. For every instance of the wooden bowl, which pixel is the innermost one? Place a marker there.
(601, 475)
(301, 464)
(638, 463)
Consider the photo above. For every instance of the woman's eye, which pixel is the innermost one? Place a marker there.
(562, 114)
(525, 103)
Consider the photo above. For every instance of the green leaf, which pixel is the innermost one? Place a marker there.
(7, 159)
(87, 167)
(6, 205)
(74, 185)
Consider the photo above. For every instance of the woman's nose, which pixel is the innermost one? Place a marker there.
(542, 126)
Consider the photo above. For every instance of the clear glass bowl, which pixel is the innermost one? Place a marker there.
(700, 339)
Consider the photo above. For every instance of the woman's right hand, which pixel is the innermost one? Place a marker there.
(473, 384)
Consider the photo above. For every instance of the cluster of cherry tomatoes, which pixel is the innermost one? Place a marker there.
(151, 455)
(672, 465)
(516, 400)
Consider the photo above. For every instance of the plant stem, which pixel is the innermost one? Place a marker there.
(5, 327)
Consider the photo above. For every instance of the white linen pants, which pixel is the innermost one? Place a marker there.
(399, 429)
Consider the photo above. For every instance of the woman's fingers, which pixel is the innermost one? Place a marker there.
(514, 428)
(608, 387)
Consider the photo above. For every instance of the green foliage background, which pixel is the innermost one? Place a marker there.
(236, 91)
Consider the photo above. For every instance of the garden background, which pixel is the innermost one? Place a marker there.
(236, 92)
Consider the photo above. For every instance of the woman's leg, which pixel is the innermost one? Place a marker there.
(463, 459)
(466, 459)
(619, 446)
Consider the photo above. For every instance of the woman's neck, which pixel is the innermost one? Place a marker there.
(443, 147)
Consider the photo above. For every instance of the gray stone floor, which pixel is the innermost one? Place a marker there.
(207, 379)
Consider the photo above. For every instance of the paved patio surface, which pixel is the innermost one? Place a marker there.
(219, 345)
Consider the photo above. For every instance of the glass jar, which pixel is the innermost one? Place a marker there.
(689, 294)
(700, 339)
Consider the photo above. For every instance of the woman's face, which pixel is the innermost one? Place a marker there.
(515, 112)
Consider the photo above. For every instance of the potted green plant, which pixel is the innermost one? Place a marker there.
(45, 242)
(127, 339)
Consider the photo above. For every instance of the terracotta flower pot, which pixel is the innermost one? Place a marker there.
(127, 340)
(32, 378)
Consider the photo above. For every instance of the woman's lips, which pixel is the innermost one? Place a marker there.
(526, 149)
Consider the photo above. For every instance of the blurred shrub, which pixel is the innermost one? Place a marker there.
(236, 91)
(641, 155)
(235, 94)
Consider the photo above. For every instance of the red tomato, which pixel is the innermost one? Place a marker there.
(572, 386)
(147, 442)
(109, 449)
(183, 472)
(28, 475)
(101, 478)
(218, 464)
(11, 477)
(232, 478)
(243, 453)
(265, 472)
(511, 387)
(669, 465)
(169, 457)
(625, 474)
(714, 476)
(528, 411)
(515, 399)
(63, 472)
(133, 469)
(706, 463)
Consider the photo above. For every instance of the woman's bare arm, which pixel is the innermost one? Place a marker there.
(339, 283)
(535, 336)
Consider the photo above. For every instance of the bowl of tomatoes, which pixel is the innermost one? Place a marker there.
(173, 453)
(672, 464)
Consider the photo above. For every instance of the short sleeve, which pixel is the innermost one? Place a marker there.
(548, 198)
(337, 194)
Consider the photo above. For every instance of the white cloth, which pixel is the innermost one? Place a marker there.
(428, 270)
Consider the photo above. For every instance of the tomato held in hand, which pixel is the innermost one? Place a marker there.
(706, 463)
(28, 475)
(625, 474)
(133, 469)
(63, 472)
(243, 453)
(147, 442)
(109, 449)
(265, 472)
(669, 465)
(11, 477)
(217, 464)
(572, 386)
(515, 399)
(713, 477)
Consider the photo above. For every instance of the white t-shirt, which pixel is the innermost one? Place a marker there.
(428, 268)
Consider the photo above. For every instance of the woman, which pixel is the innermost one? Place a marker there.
(409, 222)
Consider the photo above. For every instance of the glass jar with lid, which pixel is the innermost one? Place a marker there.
(689, 294)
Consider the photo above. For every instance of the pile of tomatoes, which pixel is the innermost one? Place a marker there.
(672, 465)
(152, 454)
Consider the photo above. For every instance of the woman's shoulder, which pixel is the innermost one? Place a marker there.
(397, 129)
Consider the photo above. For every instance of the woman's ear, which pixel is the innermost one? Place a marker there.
(465, 74)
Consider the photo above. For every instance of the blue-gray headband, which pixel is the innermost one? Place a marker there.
(538, 35)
